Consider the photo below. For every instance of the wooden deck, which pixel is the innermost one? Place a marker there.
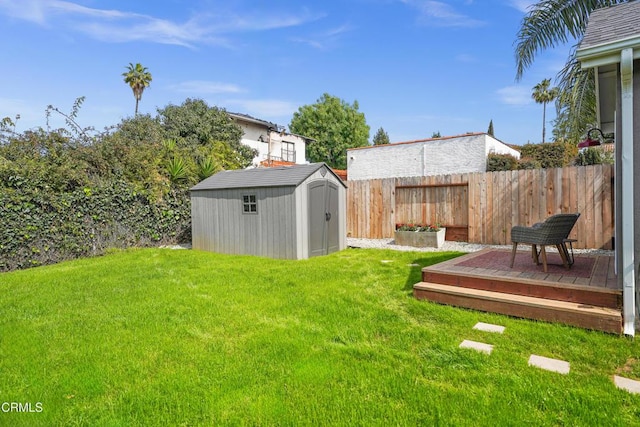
(586, 295)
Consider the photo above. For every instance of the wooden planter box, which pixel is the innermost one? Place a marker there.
(420, 239)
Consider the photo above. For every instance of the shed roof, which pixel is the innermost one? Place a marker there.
(612, 23)
(284, 176)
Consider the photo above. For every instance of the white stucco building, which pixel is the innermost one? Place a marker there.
(275, 146)
(425, 157)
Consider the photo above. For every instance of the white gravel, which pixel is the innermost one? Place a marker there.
(449, 246)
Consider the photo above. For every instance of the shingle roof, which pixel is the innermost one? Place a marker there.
(611, 24)
(284, 176)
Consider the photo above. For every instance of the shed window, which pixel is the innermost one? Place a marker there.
(249, 204)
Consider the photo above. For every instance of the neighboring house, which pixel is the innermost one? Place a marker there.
(434, 156)
(275, 146)
(611, 46)
(289, 212)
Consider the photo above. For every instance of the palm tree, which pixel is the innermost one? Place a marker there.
(138, 77)
(543, 94)
(550, 23)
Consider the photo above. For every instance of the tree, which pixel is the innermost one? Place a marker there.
(138, 78)
(548, 24)
(490, 130)
(335, 125)
(436, 135)
(543, 94)
(381, 137)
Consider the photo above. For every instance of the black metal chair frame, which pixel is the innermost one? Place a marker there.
(553, 231)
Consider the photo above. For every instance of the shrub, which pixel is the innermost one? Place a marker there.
(501, 162)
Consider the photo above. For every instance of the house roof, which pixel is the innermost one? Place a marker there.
(469, 134)
(284, 176)
(250, 119)
(610, 30)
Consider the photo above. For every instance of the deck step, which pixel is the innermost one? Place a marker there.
(585, 295)
(570, 313)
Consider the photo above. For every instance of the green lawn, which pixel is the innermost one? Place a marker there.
(164, 337)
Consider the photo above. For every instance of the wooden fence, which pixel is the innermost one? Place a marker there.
(482, 207)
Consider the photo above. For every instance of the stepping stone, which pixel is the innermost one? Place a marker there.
(478, 346)
(488, 327)
(632, 386)
(554, 365)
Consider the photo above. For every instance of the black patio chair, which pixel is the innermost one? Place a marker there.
(553, 231)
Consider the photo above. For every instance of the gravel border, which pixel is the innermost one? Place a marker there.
(448, 246)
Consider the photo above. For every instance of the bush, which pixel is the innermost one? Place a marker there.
(501, 162)
(43, 227)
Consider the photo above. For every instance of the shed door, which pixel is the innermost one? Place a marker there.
(323, 218)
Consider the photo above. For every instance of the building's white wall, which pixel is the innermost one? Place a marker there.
(252, 133)
(496, 147)
(435, 157)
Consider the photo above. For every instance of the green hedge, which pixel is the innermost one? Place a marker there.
(43, 227)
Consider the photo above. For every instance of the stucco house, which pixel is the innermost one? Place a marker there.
(425, 157)
(611, 46)
(275, 146)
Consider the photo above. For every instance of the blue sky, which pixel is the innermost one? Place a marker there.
(414, 66)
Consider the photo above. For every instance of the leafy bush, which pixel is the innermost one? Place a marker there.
(43, 227)
(593, 156)
(501, 162)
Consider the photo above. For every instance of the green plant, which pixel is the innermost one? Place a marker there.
(207, 167)
(419, 227)
(177, 169)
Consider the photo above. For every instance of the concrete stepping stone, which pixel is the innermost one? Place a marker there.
(554, 365)
(632, 386)
(488, 327)
(478, 346)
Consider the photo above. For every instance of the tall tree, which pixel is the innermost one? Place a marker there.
(381, 137)
(490, 129)
(543, 94)
(550, 23)
(138, 78)
(335, 125)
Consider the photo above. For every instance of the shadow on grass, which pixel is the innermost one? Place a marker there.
(430, 258)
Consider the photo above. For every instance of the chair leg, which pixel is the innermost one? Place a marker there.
(562, 249)
(543, 252)
(513, 253)
(534, 254)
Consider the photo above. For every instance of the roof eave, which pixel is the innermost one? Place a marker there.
(607, 53)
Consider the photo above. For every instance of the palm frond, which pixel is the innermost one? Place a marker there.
(550, 23)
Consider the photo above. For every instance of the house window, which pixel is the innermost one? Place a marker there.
(288, 152)
(249, 204)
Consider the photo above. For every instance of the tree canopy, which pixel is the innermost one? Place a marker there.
(335, 125)
(381, 137)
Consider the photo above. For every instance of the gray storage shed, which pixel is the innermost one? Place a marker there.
(290, 212)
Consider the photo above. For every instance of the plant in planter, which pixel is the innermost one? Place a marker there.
(419, 235)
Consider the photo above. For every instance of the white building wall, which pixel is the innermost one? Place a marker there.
(434, 157)
(496, 147)
(252, 133)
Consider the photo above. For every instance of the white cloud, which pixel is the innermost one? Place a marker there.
(466, 58)
(324, 40)
(438, 13)
(515, 95)
(204, 87)
(522, 5)
(119, 26)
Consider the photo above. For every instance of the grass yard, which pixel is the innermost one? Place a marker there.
(175, 337)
